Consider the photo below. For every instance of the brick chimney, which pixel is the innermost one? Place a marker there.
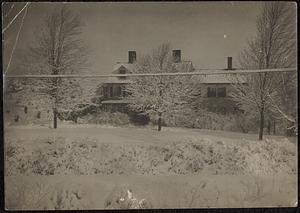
(177, 56)
(131, 57)
(229, 63)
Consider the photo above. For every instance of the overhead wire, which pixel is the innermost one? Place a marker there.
(16, 40)
(208, 72)
(16, 16)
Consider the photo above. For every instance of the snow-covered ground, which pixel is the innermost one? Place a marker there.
(162, 191)
(111, 134)
(77, 167)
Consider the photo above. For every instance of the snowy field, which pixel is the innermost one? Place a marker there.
(90, 167)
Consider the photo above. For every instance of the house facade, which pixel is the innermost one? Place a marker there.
(215, 89)
(113, 88)
(216, 92)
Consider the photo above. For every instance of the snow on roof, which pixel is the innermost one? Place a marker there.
(221, 79)
(116, 80)
(181, 66)
(184, 66)
(115, 102)
(128, 67)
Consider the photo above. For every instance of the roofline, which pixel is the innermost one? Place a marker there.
(206, 72)
(222, 83)
(214, 83)
(199, 83)
(185, 61)
(112, 101)
(121, 62)
(117, 83)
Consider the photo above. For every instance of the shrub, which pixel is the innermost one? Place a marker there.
(245, 122)
(81, 110)
(239, 122)
(180, 119)
(189, 156)
(13, 158)
(138, 118)
(111, 118)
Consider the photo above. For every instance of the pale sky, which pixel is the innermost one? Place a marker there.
(206, 32)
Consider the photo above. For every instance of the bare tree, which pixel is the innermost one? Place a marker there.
(273, 47)
(58, 49)
(157, 95)
(284, 103)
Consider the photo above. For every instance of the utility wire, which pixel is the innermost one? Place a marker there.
(16, 41)
(16, 16)
(205, 73)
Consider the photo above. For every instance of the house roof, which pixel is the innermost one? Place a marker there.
(184, 66)
(128, 67)
(181, 66)
(116, 80)
(115, 102)
(221, 79)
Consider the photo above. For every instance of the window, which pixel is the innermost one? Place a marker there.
(123, 92)
(118, 91)
(221, 92)
(216, 92)
(105, 92)
(211, 92)
(111, 91)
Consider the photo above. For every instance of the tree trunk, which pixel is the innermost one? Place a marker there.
(54, 118)
(159, 121)
(261, 125)
(274, 127)
(159, 114)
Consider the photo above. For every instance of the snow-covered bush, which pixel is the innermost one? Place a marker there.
(240, 122)
(110, 118)
(190, 156)
(244, 122)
